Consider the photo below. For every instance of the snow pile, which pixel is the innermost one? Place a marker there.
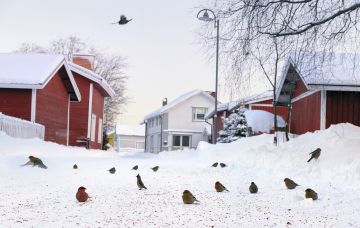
(46, 198)
(262, 121)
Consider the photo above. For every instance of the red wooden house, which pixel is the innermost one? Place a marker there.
(321, 91)
(86, 116)
(262, 101)
(38, 88)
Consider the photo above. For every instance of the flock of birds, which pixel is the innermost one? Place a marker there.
(187, 196)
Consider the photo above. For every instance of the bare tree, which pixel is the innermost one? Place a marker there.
(110, 67)
(258, 35)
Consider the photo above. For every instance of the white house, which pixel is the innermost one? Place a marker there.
(129, 138)
(179, 123)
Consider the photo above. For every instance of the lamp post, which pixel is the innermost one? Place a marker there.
(205, 17)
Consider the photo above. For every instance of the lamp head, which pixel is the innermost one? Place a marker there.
(205, 17)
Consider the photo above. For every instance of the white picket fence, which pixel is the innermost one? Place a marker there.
(19, 128)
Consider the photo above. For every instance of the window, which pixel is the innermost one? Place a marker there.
(181, 141)
(100, 130)
(93, 127)
(198, 114)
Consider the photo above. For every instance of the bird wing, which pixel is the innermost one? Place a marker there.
(41, 165)
(27, 163)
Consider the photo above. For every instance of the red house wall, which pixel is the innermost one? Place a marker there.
(305, 114)
(300, 88)
(97, 109)
(280, 110)
(51, 109)
(342, 107)
(16, 102)
(79, 111)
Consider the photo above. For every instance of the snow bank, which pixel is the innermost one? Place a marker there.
(262, 121)
(46, 198)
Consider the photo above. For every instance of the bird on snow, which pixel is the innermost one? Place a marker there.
(34, 161)
(112, 170)
(123, 20)
(135, 167)
(188, 197)
(290, 184)
(223, 165)
(309, 193)
(81, 195)
(315, 154)
(219, 187)
(75, 166)
(215, 164)
(253, 188)
(155, 168)
(139, 182)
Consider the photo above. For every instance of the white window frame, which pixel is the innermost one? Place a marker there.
(100, 130)
(195, 112)
(181, 142)
(93, 127)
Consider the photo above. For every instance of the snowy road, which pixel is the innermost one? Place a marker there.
(32, 197)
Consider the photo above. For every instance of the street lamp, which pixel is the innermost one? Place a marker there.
(205, 17)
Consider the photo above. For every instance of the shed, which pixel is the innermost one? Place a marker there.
(321, 89)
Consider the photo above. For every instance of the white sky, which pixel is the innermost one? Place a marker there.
(160, 43)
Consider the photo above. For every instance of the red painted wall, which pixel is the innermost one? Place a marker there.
(280, 110)
(79, 111)
(97, 109)
(16, 102)
(52, 107)
(300, 88)
(342, 107)
(305, 114)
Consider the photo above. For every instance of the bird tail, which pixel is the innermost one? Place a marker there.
(42, 166)
(145, 187)
(114, 23)
(310, 159)
(227, 190)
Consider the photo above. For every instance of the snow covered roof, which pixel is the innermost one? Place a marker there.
(266, 95)
(177, 101)
(318, 70)
(130, 130)
(93, 77)
(33, 71)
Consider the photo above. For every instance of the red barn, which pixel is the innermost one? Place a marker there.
(38, 88)
(86, 117)
(321, 91)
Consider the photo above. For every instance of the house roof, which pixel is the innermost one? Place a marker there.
(93, 77)
(230, 106)
(176, 102)
(320, 71)
(34, 71)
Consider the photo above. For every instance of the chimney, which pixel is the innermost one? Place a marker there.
(164, 101)
(84, 60)
(211, 93)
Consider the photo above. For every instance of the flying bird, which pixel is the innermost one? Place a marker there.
(123, 20)
(309, 193)
(135, 167)
(253, 188)
(139, 182)
(290, 184)
(315, 154)
(219, 187)
(155, 168)
(81, 195)
(112, 170)
(188, 197)
(34, 161)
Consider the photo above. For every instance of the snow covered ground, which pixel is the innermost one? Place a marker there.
(33, 197)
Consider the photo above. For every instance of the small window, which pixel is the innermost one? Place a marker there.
(100, 130)
(176, 141)
(93, 127)
(199, 114)
(186, 141)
